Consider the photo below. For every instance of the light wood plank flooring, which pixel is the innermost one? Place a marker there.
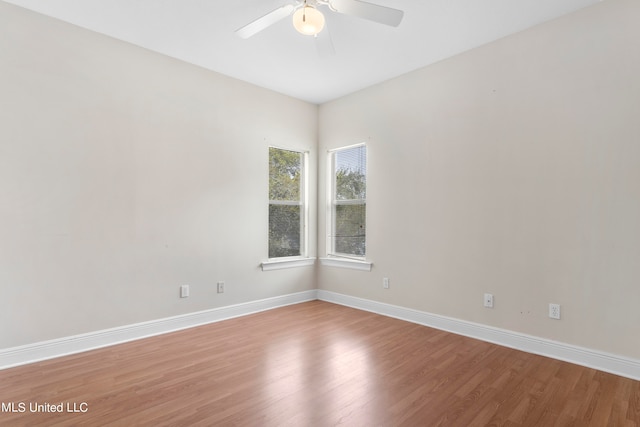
(315, 364)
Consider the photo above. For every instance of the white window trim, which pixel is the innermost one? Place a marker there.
(286, 262)
(354, 264)
(305, 204)
(333, 258)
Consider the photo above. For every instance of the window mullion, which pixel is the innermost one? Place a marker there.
(286, 202)
(351, 202)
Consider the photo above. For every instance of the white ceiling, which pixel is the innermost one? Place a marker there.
(201, 32)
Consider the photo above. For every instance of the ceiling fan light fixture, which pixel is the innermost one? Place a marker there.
(308, 20)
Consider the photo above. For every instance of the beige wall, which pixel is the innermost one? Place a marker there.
(125, 174)
(512, 169)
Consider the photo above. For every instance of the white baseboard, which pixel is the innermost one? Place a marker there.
(30, 353)
(614, 364)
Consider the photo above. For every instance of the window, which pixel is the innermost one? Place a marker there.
(287, 203)
(347, 201)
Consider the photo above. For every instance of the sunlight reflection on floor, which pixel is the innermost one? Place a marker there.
(342, 367)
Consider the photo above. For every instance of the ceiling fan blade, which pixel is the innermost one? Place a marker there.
(372, 12)
(324, 43)
(265, 21)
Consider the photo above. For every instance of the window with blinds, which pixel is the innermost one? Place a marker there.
(348, 190)
(287, 203)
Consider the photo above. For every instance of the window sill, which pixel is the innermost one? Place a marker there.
(279, 264)
(347, 263)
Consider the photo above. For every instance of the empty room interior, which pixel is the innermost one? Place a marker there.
(427, 215)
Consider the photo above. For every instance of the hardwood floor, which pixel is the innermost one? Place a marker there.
(315, 364)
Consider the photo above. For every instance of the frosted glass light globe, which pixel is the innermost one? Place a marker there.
(308, 20)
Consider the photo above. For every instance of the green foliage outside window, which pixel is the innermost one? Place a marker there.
(285, 174)
(350, 184)
(285, 203)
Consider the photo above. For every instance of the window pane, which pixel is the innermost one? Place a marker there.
(285, 171)
(350, 229)
(351, 169)
(284, 230)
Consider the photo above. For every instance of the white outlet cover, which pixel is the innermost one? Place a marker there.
(554, 311)
(184, 291)
(488, 300)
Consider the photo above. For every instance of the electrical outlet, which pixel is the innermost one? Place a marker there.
(554, 311)
(184, 291)
(488, 300)
(385, 282)
(220, 287)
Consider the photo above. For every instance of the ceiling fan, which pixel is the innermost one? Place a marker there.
(308, 20)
